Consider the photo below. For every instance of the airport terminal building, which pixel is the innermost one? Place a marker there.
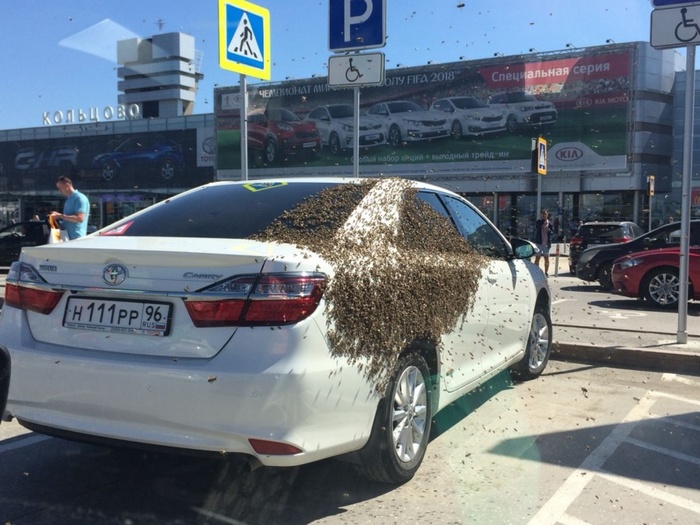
(611, 116)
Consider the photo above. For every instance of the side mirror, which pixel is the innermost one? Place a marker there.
(523, 249)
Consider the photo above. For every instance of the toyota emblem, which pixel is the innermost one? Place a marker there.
(114, 274)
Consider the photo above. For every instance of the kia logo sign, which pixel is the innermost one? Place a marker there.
(584, 103)
(569, 154)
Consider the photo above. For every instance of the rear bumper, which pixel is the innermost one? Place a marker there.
(256, 387)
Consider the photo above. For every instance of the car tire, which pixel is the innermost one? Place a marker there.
(605, 276)
(511, 124)
(271, 152)
(661, 287)
(539, 347)
(456, 130)
(403, 423)
(109, 171)
(394, 136)
(334, 144)
(167, 169)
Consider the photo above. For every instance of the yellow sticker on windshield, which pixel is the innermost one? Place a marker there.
(260, 186)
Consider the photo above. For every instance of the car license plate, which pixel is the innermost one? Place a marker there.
(309, 144)
(546, 117)
(373, 136)
(129, 317)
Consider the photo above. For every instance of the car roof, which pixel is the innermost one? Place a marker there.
(326, 180)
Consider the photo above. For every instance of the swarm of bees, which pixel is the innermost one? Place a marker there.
(402, 271)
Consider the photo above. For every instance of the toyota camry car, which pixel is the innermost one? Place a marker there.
(285, 320)
(407, 122)
(470, 116)
(654, 276)
(336, 124)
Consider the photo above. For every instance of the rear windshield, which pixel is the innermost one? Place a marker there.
(601, 230)
(221, 211)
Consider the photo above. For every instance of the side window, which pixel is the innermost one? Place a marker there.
(694, 234)
(435, 203)
(477, 231)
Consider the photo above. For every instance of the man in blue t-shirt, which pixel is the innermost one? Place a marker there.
(76, 209)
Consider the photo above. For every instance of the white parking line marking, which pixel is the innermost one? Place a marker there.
(675, 377)
(554, 511)
(560, 301)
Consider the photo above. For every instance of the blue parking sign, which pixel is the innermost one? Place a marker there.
(356, 24)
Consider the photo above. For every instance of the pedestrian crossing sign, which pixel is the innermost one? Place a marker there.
(244, 38)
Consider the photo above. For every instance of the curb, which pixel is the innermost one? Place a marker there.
(657, 360)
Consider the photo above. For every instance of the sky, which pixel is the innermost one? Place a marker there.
(61, 55)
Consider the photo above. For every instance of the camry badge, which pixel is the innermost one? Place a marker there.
(114, 274)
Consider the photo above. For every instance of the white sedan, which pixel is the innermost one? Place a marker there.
(287, 321)
(470, 116)
(335, 123)
(408, 122)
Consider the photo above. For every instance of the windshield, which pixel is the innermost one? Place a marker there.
(468, 103)
(341, 111)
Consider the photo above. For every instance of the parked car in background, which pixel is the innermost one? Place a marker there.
(595, 264)
(335, 123)
(653, 276)
(226, 320)
(151, 153)
(278, 134)
(17, 236)
(407, 122)
(470, 116)
(523, 110)
(592, 234)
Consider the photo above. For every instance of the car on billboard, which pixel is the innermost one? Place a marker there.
(335, 123)
(407, 122)
(523, 110)
(154, 154)
(279, 134)
(470, 116)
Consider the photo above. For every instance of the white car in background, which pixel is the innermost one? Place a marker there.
(284, 320)
(470, 116)
(335, 123)
(524, 110)
(408, 122)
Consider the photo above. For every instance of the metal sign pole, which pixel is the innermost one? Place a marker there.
(356, 134)
(244, 128)
(682, 334)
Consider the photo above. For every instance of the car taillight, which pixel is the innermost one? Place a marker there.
(21, 290)
(575, 240)
(624, 238)
(270, 299)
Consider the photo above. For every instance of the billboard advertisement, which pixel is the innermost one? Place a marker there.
(460, 119)
(165, 159)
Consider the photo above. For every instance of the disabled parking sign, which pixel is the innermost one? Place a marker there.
(244, 38)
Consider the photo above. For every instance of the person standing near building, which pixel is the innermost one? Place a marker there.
(76, 209)
(544, 232)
